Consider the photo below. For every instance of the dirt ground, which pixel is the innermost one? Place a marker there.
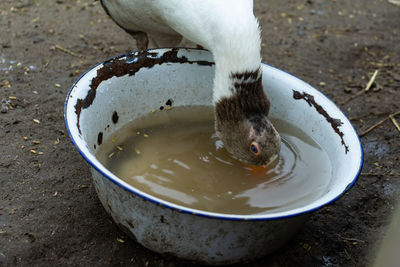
(49, 211)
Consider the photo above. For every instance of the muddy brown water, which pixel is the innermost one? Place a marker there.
(175, 156)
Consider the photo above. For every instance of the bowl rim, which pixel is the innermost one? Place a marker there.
(201, 213)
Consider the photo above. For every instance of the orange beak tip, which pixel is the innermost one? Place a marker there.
(258, 170)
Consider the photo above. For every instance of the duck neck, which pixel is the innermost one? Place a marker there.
(237, 89)
(235, 63)
(238, 92)
(246, 99)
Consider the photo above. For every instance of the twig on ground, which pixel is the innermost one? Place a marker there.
(366, 89)
(373, 127)
(395, 2)
(65, 50)
(371, 174)
(351, 239)
(347, 254)
(379, 123)
(355, 118)
(391, 116)
(47, 63)
(352, 97)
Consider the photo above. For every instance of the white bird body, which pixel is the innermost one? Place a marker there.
(229, 30)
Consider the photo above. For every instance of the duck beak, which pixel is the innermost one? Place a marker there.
(258, 170)
(262, 169)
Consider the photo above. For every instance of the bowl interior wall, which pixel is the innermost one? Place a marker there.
(131, 96)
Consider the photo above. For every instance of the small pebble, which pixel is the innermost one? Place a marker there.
(347, 90)
(4, 106)
(6, 84)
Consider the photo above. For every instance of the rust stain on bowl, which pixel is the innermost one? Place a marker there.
(115, 117)
(129, 64)
(335, 123)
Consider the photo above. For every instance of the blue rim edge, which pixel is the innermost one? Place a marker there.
(196, 212)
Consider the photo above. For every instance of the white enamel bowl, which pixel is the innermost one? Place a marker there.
(124, 88)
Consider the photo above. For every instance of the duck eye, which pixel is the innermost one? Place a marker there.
(254, 148)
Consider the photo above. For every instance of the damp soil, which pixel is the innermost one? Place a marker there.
(49, 211)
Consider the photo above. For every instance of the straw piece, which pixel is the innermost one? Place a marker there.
(371, 81)
(379, 123)
(366, 89)
(392, 118)
(65, 50)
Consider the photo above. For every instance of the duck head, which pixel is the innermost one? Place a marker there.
(241, 121)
